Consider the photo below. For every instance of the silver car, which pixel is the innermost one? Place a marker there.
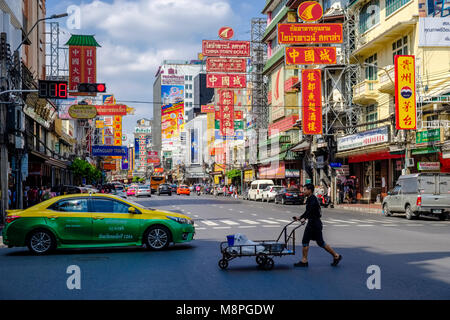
(420, 194)
(270, 192)
(143, 191)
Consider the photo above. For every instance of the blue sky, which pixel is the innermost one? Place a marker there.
(136, 35)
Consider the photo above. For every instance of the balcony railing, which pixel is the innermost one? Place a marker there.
(365, 92)
(386, 77)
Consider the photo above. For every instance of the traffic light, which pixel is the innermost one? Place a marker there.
(92, 87)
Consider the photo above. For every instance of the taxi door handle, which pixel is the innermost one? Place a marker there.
(53, 217)
(98, 218)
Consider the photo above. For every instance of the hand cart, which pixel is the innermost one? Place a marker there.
(264, 258)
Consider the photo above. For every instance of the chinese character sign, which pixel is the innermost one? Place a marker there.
(303, 33)
(82, 66)
(405, 93)
(310, 55)
(311, 101)
(216, 80)
(226, 101)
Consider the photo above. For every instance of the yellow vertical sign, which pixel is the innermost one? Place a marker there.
(210, 126)
(405, 93)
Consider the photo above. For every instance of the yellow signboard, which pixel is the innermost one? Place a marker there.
(81, 111)
(405, 93)
(99, 124)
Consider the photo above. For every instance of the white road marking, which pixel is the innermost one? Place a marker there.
(196, 216)
(221, 227)
(230, 209)
(221, 207)
(249, 221)
(374, 221)
(344, 221)
(200, 228)
(241, 211)
(231, 223)
(268, 221)
(281, 220)
(254, 214)
(270, 226)
(414, 225)
(328, 221)
(209, 223)
(365, 225)
(246, 227)
(438, 225)
(358, 220)
(389, 225)
(341, 225)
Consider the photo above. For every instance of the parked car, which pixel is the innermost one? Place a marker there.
(270, 192)
(131, 191)
(120, 193)
(46, 226)
(184, 189)
(257, 187)
(419, 194)
(144, 191)
(164, 189)
(218, 191)
(63, 190)
(174, 188)
(286, 195)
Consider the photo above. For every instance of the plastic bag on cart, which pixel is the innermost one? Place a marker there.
(242, 240)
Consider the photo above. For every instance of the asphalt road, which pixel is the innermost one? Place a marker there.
(413, 258)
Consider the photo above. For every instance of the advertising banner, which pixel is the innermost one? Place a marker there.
(277, 110)
(64, 106)
(220, 48)
(194, 146)
(82, 111)
(226, 65)
(226, 100)
(405, 92)
(310, 55)
(217, 80)
(82, 66)
(363, 139)
(108, 99)
(304, 33)
(172, 111)
(108, 151)
(124, 163)
(226, 33)
(428, 136)
(434, 32)
(310, 11)
(208, 108)
(172, 80)
(311, 101)
(111, 110)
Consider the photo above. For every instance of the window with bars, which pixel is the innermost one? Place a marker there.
(399, 47)
(372, 69)
(371, 116)
(394, 5)
(369, 15)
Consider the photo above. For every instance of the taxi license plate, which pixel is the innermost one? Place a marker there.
(436, 211)
(295, 195)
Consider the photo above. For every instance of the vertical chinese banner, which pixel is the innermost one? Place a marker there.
(311, 101)
(226, 101)
(405, 93)
(75, 66)
(210, 126)
(90, 64)
(117, 127)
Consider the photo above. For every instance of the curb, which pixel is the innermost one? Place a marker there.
(1, 243)
(359, 209)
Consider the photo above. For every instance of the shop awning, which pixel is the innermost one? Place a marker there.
(302, 146)
(384, 155)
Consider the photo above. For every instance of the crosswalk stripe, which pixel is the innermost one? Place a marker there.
(361, 221)
(249, 221)
(414, 225)
(344, 221)
(200, 228)
(365, 225)
(221, 227)
(328, 221)
(281, 220)
(231, 223)
(270, 226)
(209, 223)
(389, 225)
(268, 221)
(246, 227)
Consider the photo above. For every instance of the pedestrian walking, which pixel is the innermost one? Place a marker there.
(33, 196)
(313, 229)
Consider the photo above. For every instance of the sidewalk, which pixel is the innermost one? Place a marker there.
(361, 207)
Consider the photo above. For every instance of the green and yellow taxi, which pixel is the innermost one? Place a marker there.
(94, 220)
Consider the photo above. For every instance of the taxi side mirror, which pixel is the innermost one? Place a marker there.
(132, 210)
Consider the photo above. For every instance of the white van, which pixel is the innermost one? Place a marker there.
(257, 187)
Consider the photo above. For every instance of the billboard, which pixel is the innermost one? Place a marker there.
(277, 110)
(310, 11)
(310, 55)
(208, 108)
(109, 151)
(311, 101)
(82, 66)
(217, 80)
(194, 146)
(226, 65)
(172, 111)
(111, 110)
(434, 32)
(405, 92)
(304, 33)
(220, 48)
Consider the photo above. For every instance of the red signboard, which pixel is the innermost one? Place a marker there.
(303, 33)
(226, 65)
(311, 101)
(310, 11)
(226, 101)
(226, 33)
(208, 108)
(238, 115)
(82, 66)
(159, 170)
(216, 80)
(310, 55)
(283, 125)
(219, 48)
(289, 83)
(111, 110)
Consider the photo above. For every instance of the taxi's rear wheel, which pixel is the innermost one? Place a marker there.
(41, 242)
(157, 238)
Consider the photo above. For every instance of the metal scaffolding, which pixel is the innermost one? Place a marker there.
(56, 56)
(259, 111)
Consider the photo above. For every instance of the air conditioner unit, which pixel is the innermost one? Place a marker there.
(410, 162)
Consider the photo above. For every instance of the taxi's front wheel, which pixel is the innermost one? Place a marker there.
(157, 238)
(41, 242)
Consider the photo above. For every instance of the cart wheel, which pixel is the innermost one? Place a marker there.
(223, 264)
(269, 264)
(261, 259)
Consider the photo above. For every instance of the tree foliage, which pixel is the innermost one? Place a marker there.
(83, 169)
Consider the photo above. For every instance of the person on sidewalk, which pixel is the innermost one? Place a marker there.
(313, 229)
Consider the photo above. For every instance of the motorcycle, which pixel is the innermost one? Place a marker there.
(198, 192)
(324, 200)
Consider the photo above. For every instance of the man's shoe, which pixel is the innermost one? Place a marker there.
(301, 264)
(336, 261)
